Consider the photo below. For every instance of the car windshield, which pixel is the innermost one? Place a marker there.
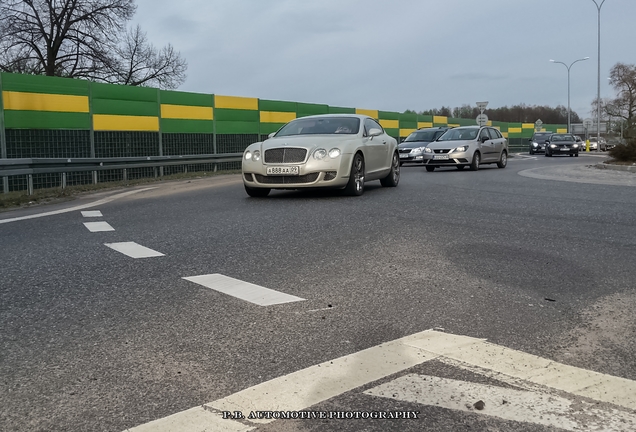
(540, 137)
(562, 138)
(321, 126)
(425, 136)
(459, 134)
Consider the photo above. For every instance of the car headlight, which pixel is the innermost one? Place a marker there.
(575, 146)
(334, 153)
(320, 154)
(461, 149)
(427, 150)
(534, 144)
(553, 146)
(248, 155)
(256, 156)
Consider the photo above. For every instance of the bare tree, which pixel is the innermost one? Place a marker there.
(139, 63)
(623, 79)
(83, 39)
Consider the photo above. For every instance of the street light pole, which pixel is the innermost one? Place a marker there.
(598, 92)
(568, 68)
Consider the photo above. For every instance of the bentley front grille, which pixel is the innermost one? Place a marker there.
(285, 155)
(307, 178)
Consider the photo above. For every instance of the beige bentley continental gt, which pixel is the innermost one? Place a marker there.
(340, 151)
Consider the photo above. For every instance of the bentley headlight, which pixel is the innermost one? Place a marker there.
(248, 155)
(320, 154)
(461, 149)
(334, 153)
(256, 156)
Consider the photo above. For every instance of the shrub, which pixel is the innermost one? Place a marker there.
(624, 152)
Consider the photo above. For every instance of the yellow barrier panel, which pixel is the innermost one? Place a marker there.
(186, 112)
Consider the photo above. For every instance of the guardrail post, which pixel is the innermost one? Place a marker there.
(30, 184)
(154, 169)
(125, 174)
(63, 180)
(3, 140)
(160, 132)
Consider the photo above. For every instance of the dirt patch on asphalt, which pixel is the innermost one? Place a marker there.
(604, 342)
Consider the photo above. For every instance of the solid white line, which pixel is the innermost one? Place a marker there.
(580, 382)
(525, 157)
(71, 209)
(90, 214)
(98, 226)
(243, 290)
(509, 404)
(134, 250)
(304, 388)
(193, 420)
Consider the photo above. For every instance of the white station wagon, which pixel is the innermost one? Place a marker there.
(468, 146)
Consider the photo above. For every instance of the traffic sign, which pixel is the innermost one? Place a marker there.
(482, 119)
(587, 123)
(482, 105)
(537, 125)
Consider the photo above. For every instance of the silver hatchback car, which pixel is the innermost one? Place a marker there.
(467, 146)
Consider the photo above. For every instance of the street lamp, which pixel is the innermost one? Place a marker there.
(568, 68)
(598, 92)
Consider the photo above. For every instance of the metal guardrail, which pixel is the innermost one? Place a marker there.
(11, 167)
(33, 166)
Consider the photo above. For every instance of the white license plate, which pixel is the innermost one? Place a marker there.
(404, 155)
(440, 157)
(284, 170)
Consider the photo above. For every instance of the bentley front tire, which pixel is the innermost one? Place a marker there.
(257, 192)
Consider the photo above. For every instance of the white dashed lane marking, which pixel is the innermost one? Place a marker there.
(98, 226)
(134, 250)
(243, 290)
(302, 389)
(92, 214)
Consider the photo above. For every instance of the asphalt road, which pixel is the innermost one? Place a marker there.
(93, 340)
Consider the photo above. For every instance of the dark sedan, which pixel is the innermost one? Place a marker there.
(414, 146)
(561, 144)
(537, 142)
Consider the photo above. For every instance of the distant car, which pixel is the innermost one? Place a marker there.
(537, 142)
(605, 146)
(343, 151)
(593, 143)
(413, 147)
(467, 146)
(562, 144)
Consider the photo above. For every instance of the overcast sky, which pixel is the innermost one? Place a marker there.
(396, 55)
